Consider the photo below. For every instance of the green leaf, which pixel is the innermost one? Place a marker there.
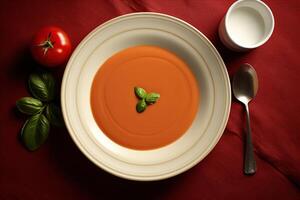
(35, 132)
(140, 92)
(141, 106)
(53, 113)
(42, 86)
(29, 105)
(50, 83)
(151, 98)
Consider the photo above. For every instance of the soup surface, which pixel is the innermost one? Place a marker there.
(113, 101)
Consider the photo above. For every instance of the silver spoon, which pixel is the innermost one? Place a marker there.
(245, 85)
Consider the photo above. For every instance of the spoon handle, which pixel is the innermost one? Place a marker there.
(249, 163)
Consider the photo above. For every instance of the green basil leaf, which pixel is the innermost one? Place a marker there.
(151, 98)
(141, 106)
(53, 113)
(140, 92)
(42, 86)
(29, 105)
(35, 132)
(50, 83)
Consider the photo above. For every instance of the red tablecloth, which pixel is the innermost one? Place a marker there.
(59, 171)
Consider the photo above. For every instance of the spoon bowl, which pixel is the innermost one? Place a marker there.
(245, 83)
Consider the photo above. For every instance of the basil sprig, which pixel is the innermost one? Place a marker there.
(145, 98)
(41, 109)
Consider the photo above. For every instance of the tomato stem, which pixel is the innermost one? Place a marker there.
(47, 44)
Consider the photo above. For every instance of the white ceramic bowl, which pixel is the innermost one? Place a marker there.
(146, 29)
(247, 24)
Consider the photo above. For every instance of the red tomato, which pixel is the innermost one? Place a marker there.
(51, 46)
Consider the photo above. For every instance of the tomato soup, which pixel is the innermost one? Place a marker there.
(113, 101)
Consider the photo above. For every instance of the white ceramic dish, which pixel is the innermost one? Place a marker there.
(247, 24)
(146, 29)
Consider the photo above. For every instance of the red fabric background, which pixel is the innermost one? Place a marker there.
(59, 171)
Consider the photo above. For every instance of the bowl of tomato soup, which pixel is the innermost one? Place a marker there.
(145, 96)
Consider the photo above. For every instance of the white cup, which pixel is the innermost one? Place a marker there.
(247, 24)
